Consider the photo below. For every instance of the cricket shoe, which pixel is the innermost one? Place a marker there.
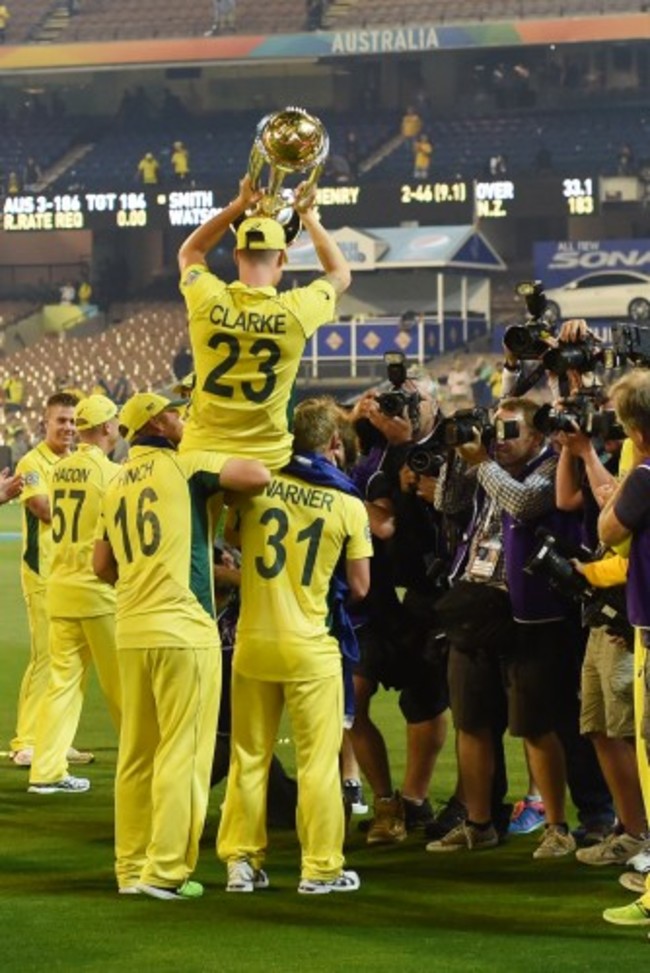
(67, 785)
(634, 914)
(616, 849)
(22, 758)
(641, 861)
(633, 882)
(242, 877)
(527, 816)
(74, 756)
(347, 881)
(184, 893)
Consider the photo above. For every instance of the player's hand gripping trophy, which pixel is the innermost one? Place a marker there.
(287, 141)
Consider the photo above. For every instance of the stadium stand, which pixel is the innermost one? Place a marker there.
(26, 18)
(140, 348)
(140, 19)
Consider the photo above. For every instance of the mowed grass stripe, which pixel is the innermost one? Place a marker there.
(488, 911)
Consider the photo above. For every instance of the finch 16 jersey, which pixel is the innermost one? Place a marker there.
(156, 516)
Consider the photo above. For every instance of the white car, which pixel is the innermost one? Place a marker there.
(606, 294)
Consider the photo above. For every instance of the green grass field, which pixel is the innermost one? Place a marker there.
(494, 911)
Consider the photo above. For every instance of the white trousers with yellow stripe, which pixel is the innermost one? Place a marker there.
(73, 643)
(170, 700)
(316, 712)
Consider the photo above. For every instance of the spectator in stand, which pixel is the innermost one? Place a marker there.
(625, 165)
(498, 165)
(180, 160)
(13, 184)
(31, 174)
(14, 391)
(122, 390)
(352, 154)
(423, 153)
(315, 11)
(84, 293)
(459, 384)
(20, 442)
(223, 17)
(148, 169)
(67, 292)
(5, 17)
(411, 124)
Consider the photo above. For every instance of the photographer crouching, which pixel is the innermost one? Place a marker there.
(394, 634)
(511, 637)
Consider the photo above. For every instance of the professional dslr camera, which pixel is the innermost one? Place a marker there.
(529, 341)
(600, 606)
(397, 402)
(582, 410)
(631, 342)
(457, 430)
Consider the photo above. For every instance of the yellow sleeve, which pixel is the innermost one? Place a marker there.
(36, 484)
(198, 286)
(359, 543)
(312, 305)
(606, 573)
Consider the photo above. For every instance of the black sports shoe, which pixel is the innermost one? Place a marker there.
(450, 815)
(417, 816)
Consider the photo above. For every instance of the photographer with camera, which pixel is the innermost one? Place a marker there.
(393, 635)
(606, 696)
(510, 636)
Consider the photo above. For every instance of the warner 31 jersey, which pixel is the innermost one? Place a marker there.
(77, 485)
(292, 536)
(155, 516)
(247, 344)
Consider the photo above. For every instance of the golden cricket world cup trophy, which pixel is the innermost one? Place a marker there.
(287, 142)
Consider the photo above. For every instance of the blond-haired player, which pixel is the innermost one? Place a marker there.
(36, 469)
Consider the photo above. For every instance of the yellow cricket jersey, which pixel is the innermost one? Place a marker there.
(155, 514)
(77, 485)
(36, 467)
(247, 344)
(292, 537)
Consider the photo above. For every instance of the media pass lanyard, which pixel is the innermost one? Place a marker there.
(489, 547)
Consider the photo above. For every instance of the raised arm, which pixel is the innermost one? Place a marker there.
(197, 246)
(334, 264)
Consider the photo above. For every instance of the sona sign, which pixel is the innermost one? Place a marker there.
(559, 262)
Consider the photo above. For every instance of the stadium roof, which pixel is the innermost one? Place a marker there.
(461, 248)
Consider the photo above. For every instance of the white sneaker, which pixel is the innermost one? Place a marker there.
(69, 785)
(347, 881)
(641, 861)
(242, 877)
(22, 758)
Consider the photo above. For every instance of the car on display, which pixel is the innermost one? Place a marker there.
(608, 294)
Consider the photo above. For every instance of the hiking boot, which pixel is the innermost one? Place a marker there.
(628, 915)
(184, 893)
(617, 849)
(388, 826)
(641, 861)
(353, 797)
(527, 816)
(68, 785)
(417, 816)
(555, 842)
(242, 877)
(450, 815)
(347, 881)
(74, 756)
(466, 837)
(633, 881)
